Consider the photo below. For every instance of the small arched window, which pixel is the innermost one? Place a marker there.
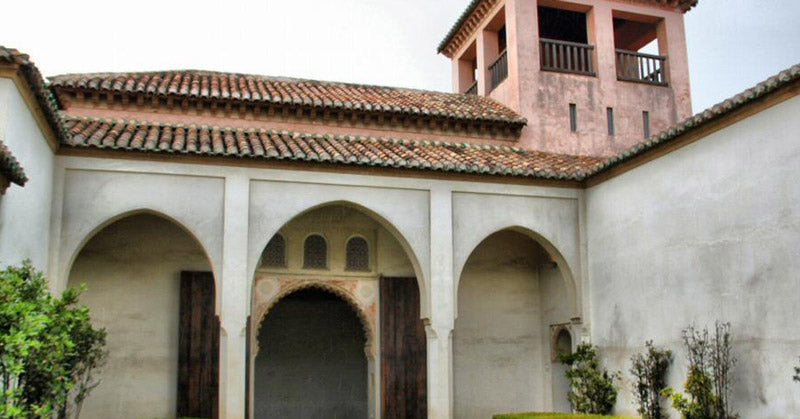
(274, 255)
(357, 255)
(562, 344)
(315, 252)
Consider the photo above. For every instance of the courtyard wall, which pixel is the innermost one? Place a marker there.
(708, 232)
(25, 211)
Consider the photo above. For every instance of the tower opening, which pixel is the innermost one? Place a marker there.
(638, 51)
(562, 25)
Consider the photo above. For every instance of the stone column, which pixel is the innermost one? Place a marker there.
(487, 53)
(234, 302)
(439, 326)
(672, 43)
(600, 21)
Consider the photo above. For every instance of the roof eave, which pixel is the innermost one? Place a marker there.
(683, 5)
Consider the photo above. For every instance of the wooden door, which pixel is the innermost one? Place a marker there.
(198, 347)
(403, 350)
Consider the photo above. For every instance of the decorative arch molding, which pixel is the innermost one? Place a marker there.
(261, 234)
(366, 307)
(72, 249)
(570, 283)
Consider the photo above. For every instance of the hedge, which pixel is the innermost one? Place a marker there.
(546, 415)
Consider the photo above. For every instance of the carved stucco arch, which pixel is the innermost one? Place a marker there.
(571, 285)
(332, 287)
(382, 220)
(76, 248)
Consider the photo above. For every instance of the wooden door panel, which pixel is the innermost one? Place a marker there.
(403, 350)
(198, 347)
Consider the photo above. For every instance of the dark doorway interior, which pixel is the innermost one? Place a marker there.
(311, 362)
(562, 25)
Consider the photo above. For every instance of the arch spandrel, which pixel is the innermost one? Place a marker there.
(94, 200)
(403, 213)
(551, 222)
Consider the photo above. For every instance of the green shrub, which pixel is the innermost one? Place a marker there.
(650, 378)
(592, 390)
(48, 348)
(545, 415)
(709, 379)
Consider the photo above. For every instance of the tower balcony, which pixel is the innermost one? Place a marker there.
(640, 67)
(566, 57)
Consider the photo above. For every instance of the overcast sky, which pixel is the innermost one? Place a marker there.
(733, 44)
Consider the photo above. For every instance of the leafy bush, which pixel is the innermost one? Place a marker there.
(48, 348)
(591, 390)
(650, 374)
(709, 380)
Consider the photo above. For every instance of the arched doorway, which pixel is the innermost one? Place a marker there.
(135, 271)
(311, 361)
(347, 251)
(510, 292)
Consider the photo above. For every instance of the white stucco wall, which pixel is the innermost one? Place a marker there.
(25, 211)
(132, 270)
(708, 232)
(420, 225)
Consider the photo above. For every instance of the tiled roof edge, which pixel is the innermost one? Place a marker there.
(576, 176)
(456, 26)
(66, 117)
(10, 167)
(60, 81)
(766, 87)
(36, 82)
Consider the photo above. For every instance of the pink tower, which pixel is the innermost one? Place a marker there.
(592, 77)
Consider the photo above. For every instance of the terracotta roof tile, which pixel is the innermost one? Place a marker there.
(10, 167)
(786, 77)
(333, 149)
(294, 92)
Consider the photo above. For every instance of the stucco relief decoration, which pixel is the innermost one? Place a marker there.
(360, 295)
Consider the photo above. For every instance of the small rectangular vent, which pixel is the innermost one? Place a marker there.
(573, 117)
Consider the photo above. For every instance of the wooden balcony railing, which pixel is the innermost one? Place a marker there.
(472, 89)
(566, 57)
(642, 68)
(498, 70)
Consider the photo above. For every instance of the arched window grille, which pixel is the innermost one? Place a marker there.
(315, 252)
(274, 255)
(357, 255)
